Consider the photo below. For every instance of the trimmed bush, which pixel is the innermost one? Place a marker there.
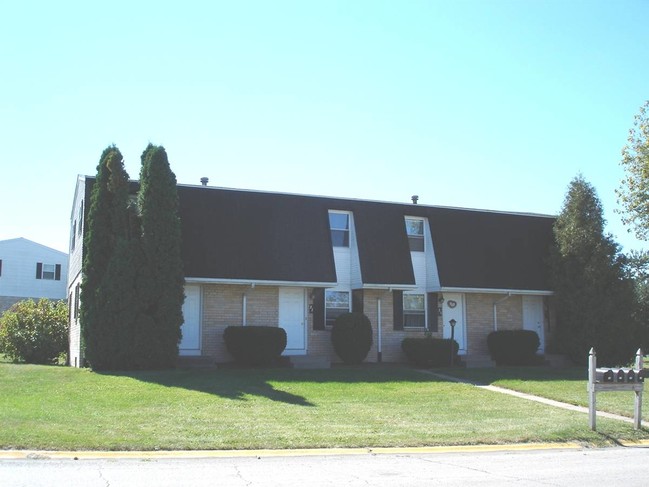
(35, 332)
(351, 337)
(255, 345)
(513, 347)
(430, 352)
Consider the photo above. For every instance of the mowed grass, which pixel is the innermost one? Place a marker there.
(566, 385)
(62, 408)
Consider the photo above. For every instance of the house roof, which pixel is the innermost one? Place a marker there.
(242, 235)
(21, 242)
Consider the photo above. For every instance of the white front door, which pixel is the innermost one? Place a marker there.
(533, 318)
(292, 317)
(453, 309)
(190, 343)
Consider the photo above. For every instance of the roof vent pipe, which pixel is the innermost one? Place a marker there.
(205, 180)
(414, 198)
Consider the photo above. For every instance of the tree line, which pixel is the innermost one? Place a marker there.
(601, 294)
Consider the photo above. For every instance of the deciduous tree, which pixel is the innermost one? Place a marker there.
(633, 193)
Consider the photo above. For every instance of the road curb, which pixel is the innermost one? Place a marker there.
(94, 455)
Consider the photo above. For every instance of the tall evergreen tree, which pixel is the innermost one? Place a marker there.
(594, 299)
(162, 281)
(107, 304)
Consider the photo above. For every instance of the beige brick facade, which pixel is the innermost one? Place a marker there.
(223, 306)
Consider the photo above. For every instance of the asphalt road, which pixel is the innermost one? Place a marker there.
(627, 467)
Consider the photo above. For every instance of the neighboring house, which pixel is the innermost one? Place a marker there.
(297, 261)
(30, 270)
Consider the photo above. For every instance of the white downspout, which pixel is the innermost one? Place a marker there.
(380, 336)
(496, 312)
(244, 309)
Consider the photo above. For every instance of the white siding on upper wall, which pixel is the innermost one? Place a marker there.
(19, 260)
(432, 274)
(76, 226)
(342, 258)
(356, 279)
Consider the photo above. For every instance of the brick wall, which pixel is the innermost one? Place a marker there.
(222, 306)
(319, 341)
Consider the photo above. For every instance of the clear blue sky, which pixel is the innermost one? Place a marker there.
(483, 104)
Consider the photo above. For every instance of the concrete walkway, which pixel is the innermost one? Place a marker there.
(529, 397)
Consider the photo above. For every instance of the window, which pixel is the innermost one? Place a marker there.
(414, 310)
(415, 231)
(336, 304)
(81, 218)
(77, 291)
(339, 225)
(49, 272)
(0, 267)
(74, 234)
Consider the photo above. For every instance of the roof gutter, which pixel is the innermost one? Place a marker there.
(258, 282)
(530, 292)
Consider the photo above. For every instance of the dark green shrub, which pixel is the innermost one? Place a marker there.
(255, 345)
(513, 347)
(35, 332)
(430, 352)
(351, 336)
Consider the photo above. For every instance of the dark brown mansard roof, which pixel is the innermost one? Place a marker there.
(259, 236)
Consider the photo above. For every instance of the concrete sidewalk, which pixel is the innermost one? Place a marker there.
(529, 397)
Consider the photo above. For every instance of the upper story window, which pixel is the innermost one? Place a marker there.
(339, 225)
(49, 272)
(336, 304)
(81, 218)
(414, 310)
(74, 235)
(415, 231)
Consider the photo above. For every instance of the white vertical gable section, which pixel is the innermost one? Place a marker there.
(424, 265)
(343, 257)
(432, 274)
(356, 279)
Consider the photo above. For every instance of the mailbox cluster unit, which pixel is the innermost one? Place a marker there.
(615, 379)
(623, 375)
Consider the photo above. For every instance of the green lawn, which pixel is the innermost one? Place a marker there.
(64, 408)
(566, 385)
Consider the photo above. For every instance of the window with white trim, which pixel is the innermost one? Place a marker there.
(49, 271)
(336, 304)
(339, 225)
(414, 310)
(415, 231)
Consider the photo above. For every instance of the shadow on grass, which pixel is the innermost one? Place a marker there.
(237, 384)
